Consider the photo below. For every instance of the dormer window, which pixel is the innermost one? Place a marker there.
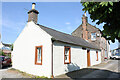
(93, 36)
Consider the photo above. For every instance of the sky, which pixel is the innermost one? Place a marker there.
(61, 16)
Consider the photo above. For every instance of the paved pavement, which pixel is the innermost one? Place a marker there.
(7, 73)
(109, 69)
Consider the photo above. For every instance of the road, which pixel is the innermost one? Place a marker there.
(105, 70)
(109, 69)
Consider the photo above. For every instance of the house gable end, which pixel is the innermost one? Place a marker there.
(24, 48)
(29, 27)
(92, 28)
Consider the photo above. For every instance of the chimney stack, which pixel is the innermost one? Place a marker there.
(84, 26)
(33, 14)
(33, 5)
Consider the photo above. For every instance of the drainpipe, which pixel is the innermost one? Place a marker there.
(52, 76)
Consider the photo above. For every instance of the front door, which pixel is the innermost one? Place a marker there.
(88, 57)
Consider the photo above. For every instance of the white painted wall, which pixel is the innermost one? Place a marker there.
(93, 57)
(108, 49)
(1, 45)
(78, 58)
(23, 55)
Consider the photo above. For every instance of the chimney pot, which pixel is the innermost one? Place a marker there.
(33, 5)
(85, 13)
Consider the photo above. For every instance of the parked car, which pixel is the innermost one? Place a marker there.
(5, 61)
(116, 56)
(105, 58)
(0, 62)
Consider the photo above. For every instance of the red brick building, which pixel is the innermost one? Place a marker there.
(93, 35)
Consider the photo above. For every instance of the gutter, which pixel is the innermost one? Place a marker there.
(77, 44)
(52, 76)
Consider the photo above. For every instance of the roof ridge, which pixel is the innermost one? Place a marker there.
(52, 29)
(6, 44)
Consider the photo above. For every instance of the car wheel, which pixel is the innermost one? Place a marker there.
(1, 66)
(9, 65)
(110, 58)
(114, 58)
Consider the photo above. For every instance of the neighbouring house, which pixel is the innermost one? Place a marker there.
(115, 51)
(92, 35)
(6, 48)
(43, 51)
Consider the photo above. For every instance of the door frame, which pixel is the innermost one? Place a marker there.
(88, 58)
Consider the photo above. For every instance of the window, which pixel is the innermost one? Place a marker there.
(97, 55)
(67, 55)
(93, 36)
(38, 55)
(83, 48)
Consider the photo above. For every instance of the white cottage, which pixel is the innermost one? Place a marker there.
(42, 51)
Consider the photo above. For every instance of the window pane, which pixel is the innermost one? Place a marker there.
(67, 54)
(93, 36)
(39, 55)
(65, 57)
(66, 51)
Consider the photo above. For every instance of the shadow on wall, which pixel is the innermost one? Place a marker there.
(72, 67)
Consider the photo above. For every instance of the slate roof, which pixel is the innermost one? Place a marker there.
(88, 28)
(63, 37)
(6, 44)
(116, 49)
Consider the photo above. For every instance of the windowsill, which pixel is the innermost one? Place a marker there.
(93, 40)
(67, 62)
(38, 63)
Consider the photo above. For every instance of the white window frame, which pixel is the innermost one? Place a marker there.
(93, 36)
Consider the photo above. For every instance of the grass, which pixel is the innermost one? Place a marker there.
(27, 75)
(12, 69)
(41, 77)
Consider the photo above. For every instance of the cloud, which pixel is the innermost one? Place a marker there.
(9, 24)
(12, 27)
(67, 23)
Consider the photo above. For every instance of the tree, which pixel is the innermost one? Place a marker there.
(108, 13)
(2, 53)
(11, 46)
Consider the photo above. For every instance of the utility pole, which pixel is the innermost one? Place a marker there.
(118, 47)
(118, 44)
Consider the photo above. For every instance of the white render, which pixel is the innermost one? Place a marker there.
(78, 58)
(23, 55)
(93, 57)
(1, 45)
(108, 49)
